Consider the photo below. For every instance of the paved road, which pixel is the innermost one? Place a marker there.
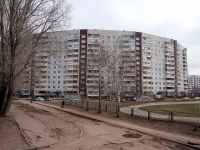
(139, 112)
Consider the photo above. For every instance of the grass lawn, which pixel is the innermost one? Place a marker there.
(184, 108)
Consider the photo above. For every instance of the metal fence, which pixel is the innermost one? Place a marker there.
(162, 115)
(93, 105)
(133, 111)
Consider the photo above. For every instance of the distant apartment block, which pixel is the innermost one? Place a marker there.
(194, 85)
(149, 63)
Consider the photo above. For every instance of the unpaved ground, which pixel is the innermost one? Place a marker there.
(10, 135)
(61, 131)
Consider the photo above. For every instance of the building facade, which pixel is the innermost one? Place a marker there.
(92, 62)
(194, 85)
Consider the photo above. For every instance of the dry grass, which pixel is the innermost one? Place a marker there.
(184, 108)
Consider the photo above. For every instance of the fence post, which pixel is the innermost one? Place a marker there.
(169, 116)
(87, 106)
(75, 103)
(172, 116)
(149, 115)
(132, 111)
(117, 111)
(106, 107)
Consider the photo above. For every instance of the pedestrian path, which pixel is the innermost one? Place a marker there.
(161, 134)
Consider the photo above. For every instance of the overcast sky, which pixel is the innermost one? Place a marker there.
(176, 19)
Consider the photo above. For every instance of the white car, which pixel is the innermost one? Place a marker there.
(73, 99)
(29, 98)
(39, 99)
(197, 98)
(186, 98)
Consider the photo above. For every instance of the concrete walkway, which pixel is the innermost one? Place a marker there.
(168, 136)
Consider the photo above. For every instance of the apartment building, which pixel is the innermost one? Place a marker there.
(92, 62)
(194, 85)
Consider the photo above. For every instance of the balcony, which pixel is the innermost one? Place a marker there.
(72, 90)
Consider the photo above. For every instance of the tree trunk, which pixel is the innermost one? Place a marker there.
(7, 100)
(99, 97)
(7, 107)
(4, 97)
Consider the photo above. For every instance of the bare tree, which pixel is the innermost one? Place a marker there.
(22, 25)
(99, 59)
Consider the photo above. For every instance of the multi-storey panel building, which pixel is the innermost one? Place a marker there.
(86, 61)
(194, 85)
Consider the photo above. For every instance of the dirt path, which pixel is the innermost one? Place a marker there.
(45, 126)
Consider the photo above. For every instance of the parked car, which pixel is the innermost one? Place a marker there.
(39, 99)
(186, 98)
(107, 99)
(197, 98)
(158, 97)
(29, 98)
(131, 98)
(15, 98)
(47, 98)
(32, 98)
(73, 99)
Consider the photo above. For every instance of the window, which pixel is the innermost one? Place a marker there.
(83, 61)
(82, 51)
(58, 82)
(49, 87)
(82, 82)
(137, 48)
(58, 87)
(54, 76)
(83, 41)
(138, 68)
(137, 58)
(58, 76)
(82, 46)
(54, 87)
(83, 36)
(82, 77)
(137, 43)
(82, 71)
(54, 67)
(82, 56)
(54, 71)
(137, 38)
